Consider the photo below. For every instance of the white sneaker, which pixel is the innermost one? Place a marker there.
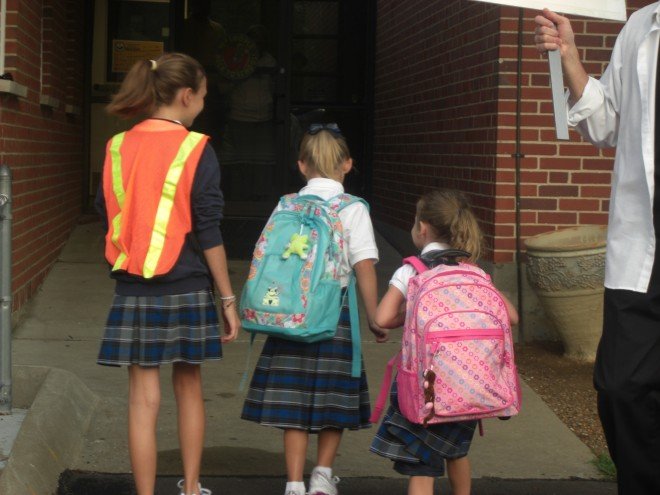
(321, 484)
(200, 490)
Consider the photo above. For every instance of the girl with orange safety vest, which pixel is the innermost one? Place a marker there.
(161, 203)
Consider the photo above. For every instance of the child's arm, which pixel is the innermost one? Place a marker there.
(391, 311)
(216, 259)
(513, 313)
(365, 273)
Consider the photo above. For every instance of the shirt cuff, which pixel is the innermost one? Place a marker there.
(591, 100)
(209, 238)
(399, 285)
(365, 254)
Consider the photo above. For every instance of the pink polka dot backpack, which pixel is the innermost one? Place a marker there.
(456, 361)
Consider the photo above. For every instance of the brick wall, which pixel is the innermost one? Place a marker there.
(563, 184)
(435, 105)
(42, 143)
(446, 75)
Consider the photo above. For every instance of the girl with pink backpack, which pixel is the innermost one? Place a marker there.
(412, 434)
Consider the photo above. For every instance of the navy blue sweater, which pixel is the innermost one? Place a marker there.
(190, 272)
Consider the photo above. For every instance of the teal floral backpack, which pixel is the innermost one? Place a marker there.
(293, 290)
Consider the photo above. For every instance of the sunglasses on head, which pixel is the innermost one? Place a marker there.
(331, 127)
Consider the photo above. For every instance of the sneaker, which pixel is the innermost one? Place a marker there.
(320, 484)
(200, 490)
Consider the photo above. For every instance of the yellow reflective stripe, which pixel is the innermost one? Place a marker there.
(166, 203)
(120, 194)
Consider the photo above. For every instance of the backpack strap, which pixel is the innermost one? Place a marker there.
(344, 200)
(416, 263)
(338, 203)
(356, 337)
(385, 388)
(443, 257)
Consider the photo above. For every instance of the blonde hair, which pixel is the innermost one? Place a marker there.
(324, 153)
(449, 214)
(150, 84)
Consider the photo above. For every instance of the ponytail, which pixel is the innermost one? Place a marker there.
(325, 153)
(449, 214)
(150, 84)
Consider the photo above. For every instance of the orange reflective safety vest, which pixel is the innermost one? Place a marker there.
(147, 181)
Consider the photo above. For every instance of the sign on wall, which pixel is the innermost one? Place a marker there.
(126, 52)
(604, 9)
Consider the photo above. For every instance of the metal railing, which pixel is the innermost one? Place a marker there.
(5, 290)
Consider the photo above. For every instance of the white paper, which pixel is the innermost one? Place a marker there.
(604, 9)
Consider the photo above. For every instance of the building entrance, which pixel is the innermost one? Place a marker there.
(273, 67)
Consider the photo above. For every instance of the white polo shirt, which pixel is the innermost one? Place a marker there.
(403, 275)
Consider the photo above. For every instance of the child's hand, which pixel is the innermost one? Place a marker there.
(232, 324)
(381, 334)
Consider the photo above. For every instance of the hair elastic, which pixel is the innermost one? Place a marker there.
(154, 65)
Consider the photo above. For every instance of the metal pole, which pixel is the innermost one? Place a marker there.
(5, 290)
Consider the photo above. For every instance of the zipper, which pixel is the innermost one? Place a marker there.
(467, 334)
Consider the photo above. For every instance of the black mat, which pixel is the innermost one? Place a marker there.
(83, 483)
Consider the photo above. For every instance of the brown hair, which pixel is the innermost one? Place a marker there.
(449, 214)
(324, 153)
(150, 84)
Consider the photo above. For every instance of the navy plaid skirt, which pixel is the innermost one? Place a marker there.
(415, 447)
(154, 330)
(309, 386)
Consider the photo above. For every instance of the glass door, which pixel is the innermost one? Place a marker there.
(239, 43)
(332, 74)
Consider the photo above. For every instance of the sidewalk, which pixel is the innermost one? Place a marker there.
(62, 328)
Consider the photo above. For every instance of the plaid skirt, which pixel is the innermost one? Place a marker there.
(155, 330)
(309, 386)
(413, 446)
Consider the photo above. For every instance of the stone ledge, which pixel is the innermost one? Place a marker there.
(72, 110)
(49, 101)
(13, 88)
(51, 435)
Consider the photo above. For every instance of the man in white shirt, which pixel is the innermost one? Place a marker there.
(619, 110)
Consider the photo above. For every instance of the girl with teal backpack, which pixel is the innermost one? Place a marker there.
(298, 293)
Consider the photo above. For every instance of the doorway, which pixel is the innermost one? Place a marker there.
(273, 66)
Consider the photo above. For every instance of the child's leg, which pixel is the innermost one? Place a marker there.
(143, 405)
(329, 440)
(460, 477)
(421, 485)
(187, 383)
(295, 452)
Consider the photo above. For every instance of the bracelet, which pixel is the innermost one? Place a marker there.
(228, 298)
(228, 304)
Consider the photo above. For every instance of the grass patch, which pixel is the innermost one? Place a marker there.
(605, 465)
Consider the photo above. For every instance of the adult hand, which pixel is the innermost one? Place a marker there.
(232, 324)
(553, 32)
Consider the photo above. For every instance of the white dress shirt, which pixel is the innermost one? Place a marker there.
(358, 230)
(619, 111)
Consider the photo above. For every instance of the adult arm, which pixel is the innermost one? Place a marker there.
(554, 32)
(594, 104)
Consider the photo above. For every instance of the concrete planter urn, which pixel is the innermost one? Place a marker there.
(566, 269)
